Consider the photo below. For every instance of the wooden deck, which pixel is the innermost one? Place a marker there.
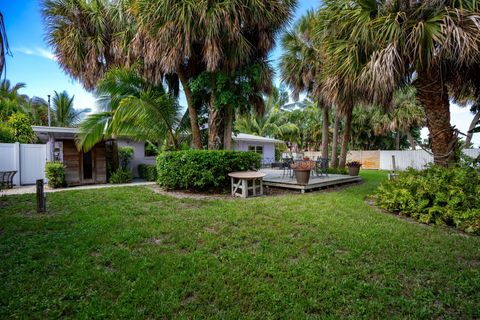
(274, 178)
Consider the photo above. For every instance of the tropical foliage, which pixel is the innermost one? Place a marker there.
(436, 195)
(63, 112)
(380, 46)
(133, 108)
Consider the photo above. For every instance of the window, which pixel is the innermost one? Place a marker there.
(257, 149)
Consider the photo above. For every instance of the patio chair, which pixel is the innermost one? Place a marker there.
(287, 167)
(6, 179)
(321, 166)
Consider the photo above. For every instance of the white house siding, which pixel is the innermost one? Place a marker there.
(268, 149)
(138, 154)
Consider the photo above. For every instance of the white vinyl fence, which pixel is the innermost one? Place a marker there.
(27, 159)
(382, 159)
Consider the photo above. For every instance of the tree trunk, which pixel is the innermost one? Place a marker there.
(325, 131)
(228, 128)
(214, 124)
(192, 111)
(336, 126)
(468, 140)
(397, 140)
(433, 94)
(346, 138)
(411, 140)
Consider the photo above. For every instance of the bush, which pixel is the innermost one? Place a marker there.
(125, 155)
(55, 174)
(436, 195)
(201, 169)
(6, 134)
(147, 172)
(121, 175)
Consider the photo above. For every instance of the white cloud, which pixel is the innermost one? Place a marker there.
(39, 52)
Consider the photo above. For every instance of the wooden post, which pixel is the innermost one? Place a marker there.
(41, 199)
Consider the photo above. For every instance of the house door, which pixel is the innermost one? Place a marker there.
(87, 166)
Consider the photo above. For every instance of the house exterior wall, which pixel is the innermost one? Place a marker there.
(268, 149)
(138, 154)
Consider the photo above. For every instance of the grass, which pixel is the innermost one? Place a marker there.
(132, 253)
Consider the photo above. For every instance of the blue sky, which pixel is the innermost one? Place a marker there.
(34, 64)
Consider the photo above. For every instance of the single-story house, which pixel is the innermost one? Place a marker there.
(263, 145)
(91, 167)
(86, 167)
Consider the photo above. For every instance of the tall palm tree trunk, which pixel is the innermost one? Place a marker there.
(214, 124)
(336, 127)
(397, 140)
(346, 137)
(227, 133)
(411, 140)
(433, 94)
(192, 111)
(325, 131)
(468, 140)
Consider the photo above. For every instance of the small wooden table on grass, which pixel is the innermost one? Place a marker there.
(244, 181)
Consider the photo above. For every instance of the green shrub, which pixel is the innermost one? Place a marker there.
(6, 134)
(436, 195)
(121, 175)
(22, 129)
(201, 169)
(55, 174)
(125, 155)
(147, 172)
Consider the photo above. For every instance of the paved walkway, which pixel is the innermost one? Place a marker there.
(32, 189)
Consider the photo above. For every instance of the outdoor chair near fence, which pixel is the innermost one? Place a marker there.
(6, 179)
(321, 167)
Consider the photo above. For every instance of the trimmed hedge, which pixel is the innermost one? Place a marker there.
(121, 175)
(436, 195)
(147, 172)
(55, 174)
(200, 170)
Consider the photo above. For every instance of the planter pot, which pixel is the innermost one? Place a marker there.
(353, 171)
(303, 176)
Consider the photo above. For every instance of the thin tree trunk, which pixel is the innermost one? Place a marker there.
(411, 140)
(227, 134)
(397, 140)
(468, 140)
(433, 94)
(192, 111)
(325, 131)
(336, 126)
(346, 138)
(214, 123)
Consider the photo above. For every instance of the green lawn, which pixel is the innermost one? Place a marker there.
(132, 253)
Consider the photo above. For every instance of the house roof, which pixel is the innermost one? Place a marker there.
(43, 132)
(253, 138)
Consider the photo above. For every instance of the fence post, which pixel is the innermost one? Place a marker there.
(41, 197)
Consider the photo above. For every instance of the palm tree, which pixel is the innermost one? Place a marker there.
(274, 122)
(11, 100)
(190, 37)
(436, 43)
(133, 108)
(4, 48)
(89, 37)
(64, 113)
(37, 109)
(302, 65)
(406, 114)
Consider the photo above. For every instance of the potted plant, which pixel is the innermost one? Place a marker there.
(353, 168)
(302, 171)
